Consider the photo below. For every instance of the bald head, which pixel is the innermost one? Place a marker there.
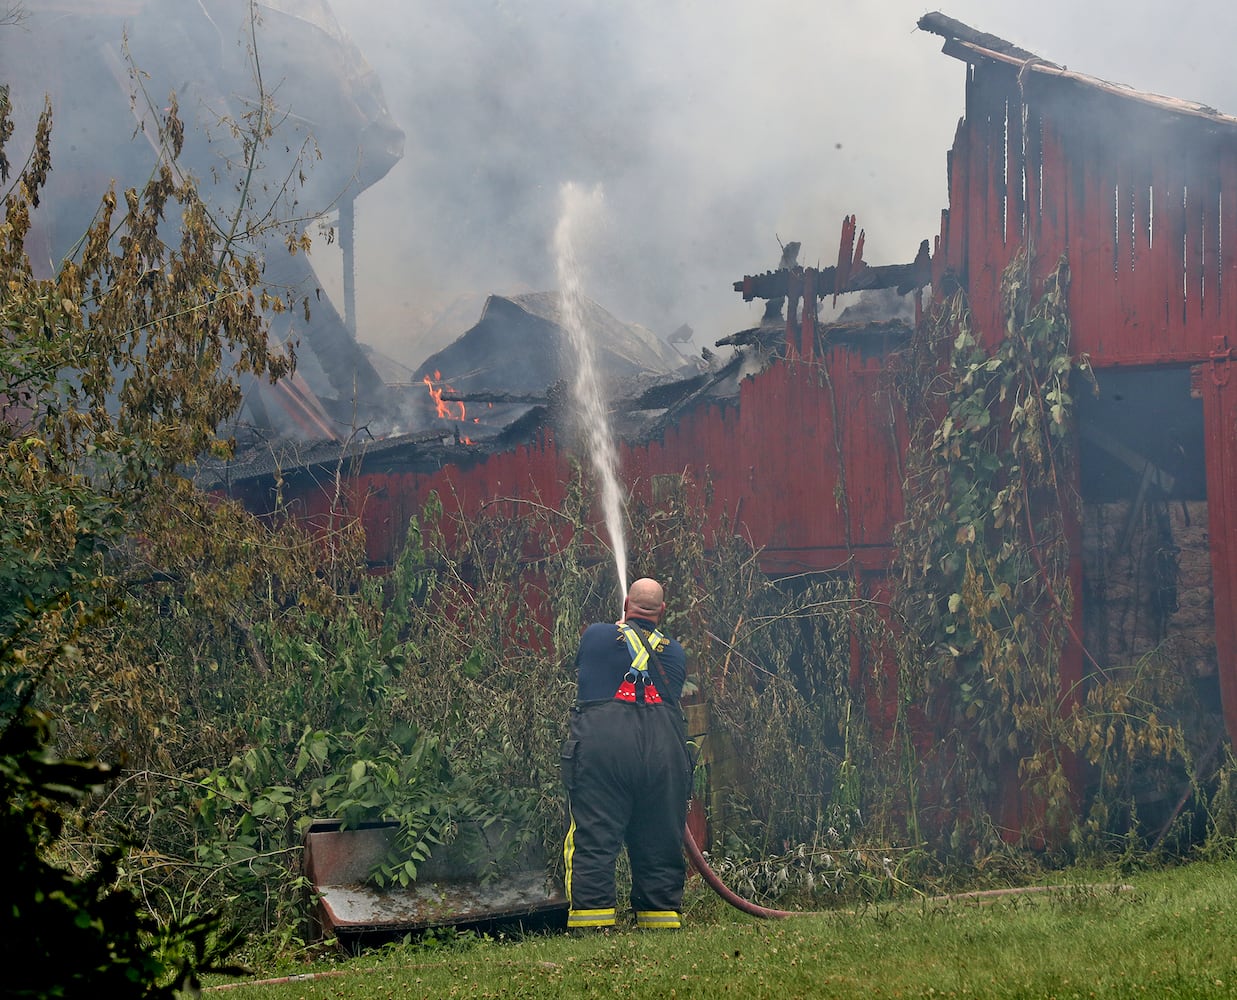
(645, 599)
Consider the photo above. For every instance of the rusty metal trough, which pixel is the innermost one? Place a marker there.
(448, 892)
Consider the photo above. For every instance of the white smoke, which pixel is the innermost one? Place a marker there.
(715, 128)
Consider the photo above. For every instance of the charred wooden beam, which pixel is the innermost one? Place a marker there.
(752, 335)
(659, 397)
(518, 398)
(656, 397)
(937, 23)
(835, 333)
(789, 282)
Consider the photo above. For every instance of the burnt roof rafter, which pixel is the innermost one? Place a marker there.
(832, 280)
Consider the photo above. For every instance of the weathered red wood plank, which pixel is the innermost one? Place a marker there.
(1123, 236)
(940, 250)
(1193, 276)
(987, 216)
(1068, 191)
(1210, 256)
(1007, 168)
(1220, 435)
(1033, 166)
(1015, 171)
(1054, 233)
(1174, 245)
(820, 440)
(1085, 217)
(862, 473)
(1162, 259)
(871, 442)
(1134, 253)
(1227, 279)
(956, 252)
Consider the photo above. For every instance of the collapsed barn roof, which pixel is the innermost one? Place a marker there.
(500, 383)
(522, 339)
(505, 376)
(87, 57)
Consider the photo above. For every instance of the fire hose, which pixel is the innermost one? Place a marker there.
(719, 887)
(710, 876)
(747, 906)
(755, 909)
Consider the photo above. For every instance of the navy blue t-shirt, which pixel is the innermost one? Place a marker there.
(603, 660)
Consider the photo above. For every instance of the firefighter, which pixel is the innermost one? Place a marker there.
(627, 768)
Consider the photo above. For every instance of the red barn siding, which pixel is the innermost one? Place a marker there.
(775, 460)
(1144, 206)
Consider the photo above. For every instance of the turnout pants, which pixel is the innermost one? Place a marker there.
(628, 777)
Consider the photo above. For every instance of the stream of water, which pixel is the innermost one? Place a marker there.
(579, 214)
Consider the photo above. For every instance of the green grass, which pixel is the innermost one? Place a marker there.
(1173, 935)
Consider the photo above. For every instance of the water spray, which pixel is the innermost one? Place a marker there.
(580, 211)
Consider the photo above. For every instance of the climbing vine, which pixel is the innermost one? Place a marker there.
(985, 592)
(984, 578)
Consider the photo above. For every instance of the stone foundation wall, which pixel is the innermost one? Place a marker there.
(1147, 584)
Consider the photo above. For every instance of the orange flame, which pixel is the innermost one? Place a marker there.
(444, 406)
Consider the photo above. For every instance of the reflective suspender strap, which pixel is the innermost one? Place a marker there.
(639, 655)
(639, 666)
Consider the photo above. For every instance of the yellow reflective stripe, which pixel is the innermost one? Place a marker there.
(656, 639)
(569, 850)
(639, 655)
(591, 918)
(580, 918)
(664, 919)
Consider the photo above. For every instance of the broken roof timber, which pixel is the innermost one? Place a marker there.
(971, 46)
(904, 277)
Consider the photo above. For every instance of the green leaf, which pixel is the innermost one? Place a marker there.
(471, 667)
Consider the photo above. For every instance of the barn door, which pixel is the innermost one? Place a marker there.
(1216, 382)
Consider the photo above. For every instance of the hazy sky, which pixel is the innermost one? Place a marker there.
(714, 127)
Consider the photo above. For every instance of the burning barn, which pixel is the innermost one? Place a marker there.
(798, 427)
